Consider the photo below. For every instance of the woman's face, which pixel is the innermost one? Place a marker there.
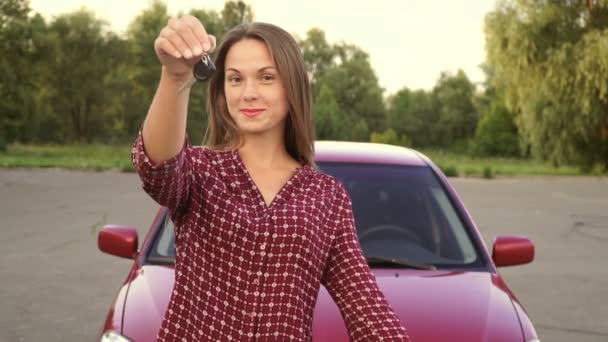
(255, 95)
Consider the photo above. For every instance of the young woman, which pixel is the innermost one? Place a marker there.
(258, 229)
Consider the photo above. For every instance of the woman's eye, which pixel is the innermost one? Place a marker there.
(234, 79)
(267, 78)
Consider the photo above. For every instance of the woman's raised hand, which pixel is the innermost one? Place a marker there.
(181, 44)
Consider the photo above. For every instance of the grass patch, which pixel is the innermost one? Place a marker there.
(488, 173)
(96, 157)
(490, 167)
(101, 157)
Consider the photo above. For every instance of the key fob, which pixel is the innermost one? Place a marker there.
(204, 68)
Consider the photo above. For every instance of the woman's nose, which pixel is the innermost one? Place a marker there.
(250, 92)
(250, 97)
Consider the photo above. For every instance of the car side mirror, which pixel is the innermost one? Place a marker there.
(120, 241)
(512, 250)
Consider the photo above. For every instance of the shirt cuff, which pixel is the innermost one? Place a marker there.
(146, 167)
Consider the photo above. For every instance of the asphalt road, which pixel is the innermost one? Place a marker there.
(56, 286)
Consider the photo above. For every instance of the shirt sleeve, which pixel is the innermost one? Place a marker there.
(349, 280)
(168, 182)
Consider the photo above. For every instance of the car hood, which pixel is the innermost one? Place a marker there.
(433, 306)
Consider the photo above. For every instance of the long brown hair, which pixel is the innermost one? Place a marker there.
(222, 132)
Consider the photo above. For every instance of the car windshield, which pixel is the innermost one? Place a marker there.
(402, 213)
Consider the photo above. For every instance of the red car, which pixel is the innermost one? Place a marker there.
(428, 257)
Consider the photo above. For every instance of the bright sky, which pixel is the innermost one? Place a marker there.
(410, 42)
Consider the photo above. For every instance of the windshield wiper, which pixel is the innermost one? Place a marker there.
(381, 261)
(160, 260)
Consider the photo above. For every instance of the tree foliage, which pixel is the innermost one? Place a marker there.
(439, 118)
(457, 117)
(82, 53)
(143, 68)
(71, 79)
(390, 137)
(496, 133)
(413, 114)
(329, 118)
(552, 59)
(19, 51)
(343, 72)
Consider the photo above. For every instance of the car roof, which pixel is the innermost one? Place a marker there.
(364, 152)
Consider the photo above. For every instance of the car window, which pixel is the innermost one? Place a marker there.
(401, 212)
(165, 244)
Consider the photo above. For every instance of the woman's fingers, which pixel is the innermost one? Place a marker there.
(181, 43)
(181, 36)
(213, 43)
(201, 35)
(192, 46)
(188, 36)
(164, 45)
(176, 40)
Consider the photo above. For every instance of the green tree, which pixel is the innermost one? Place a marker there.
(496, 133)
(81, 53)
(11, 11)
(120, 118)
(329, 118)
(457, 117)
(552, 58)
(212, 20)
(346, 70)
(318, 54)
(356, 87)
(413, 114)
(360, 131)
(235, 13)
(144, 68)
(218, 23)
(391, 137)
(19, 48)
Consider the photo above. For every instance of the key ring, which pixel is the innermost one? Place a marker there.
(204, 68)
(202, 71)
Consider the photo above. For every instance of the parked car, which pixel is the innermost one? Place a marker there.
(428, 257)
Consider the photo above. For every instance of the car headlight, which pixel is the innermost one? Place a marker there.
(111, 336)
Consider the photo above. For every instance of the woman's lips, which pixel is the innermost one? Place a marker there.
(251, 112)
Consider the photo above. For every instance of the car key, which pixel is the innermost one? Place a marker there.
(202, 70)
